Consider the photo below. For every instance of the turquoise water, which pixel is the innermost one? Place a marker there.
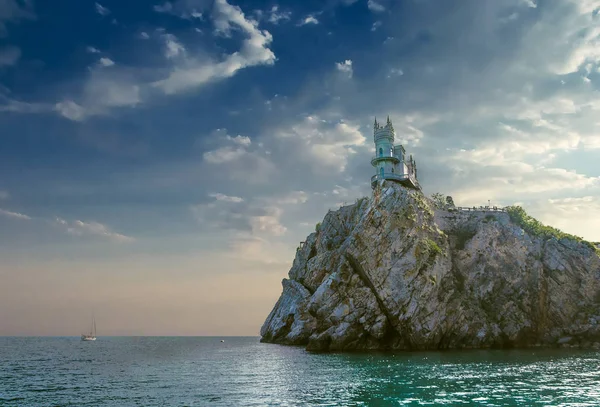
(187, 371)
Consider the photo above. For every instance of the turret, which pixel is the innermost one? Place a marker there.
(389, 159)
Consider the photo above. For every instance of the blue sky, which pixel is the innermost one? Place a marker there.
(160, 161)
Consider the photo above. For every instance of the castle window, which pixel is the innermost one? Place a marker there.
(392, 170)
(380, 152)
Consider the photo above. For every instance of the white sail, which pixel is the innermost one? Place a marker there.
(92, 335)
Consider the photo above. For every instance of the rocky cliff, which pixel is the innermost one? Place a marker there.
(393, 272)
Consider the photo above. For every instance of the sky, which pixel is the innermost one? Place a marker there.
(161, 161)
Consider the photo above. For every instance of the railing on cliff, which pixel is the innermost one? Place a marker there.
(479, 209)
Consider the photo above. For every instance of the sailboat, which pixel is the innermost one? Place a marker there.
(92, 335)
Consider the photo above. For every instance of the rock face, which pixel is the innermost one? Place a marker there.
(391, 272)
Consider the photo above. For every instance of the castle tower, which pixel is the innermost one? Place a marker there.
(389, 160)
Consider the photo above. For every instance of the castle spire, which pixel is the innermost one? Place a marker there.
(375, 125)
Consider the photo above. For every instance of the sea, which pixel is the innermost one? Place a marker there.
(241, 371)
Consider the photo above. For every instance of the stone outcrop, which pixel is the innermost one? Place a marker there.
(393, 272)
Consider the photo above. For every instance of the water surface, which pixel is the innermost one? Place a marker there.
(202, 371)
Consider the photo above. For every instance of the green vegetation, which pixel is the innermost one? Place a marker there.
(489, 218)
(318, 227)
(426, 251)
(433, 246)
(536, 228)
(438, 200)
(442, 202)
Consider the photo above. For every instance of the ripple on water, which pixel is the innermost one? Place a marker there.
(243, 372)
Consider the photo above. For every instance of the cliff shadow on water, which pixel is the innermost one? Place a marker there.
(398, 271)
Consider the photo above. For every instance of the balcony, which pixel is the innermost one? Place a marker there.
(384, 157)
(405, 179)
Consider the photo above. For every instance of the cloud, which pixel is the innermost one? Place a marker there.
(173, 47)
(572, 214)
(268, 222)
(310, 19)
(144, 35)
(194, 73)
(14, 11)
(186, 9)
(14, 215)
(226, 198)
(292, 198)
(167, 7)
(395, 72)
(71, 110)
(376, 25)
(240, 140)
(9, 55)
(129, 86)
(322, 145)
(4, 195)
(103, 11)
(275, 16)
(223, 155)
(375, 7)
(102, 91)
(92, 50)
(106, 62)
(229, 213)
(81, 228)
(254, 249)
(16, 106)
(345, 66)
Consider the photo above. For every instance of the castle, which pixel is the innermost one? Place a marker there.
(390, 160)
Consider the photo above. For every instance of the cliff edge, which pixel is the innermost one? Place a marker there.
(394, 272)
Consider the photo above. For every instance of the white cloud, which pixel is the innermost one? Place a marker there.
(241, 140)
(308, 20)
(226, 198)
(237, 215)
(223, 155)
(144, 35)
(572, 215)
(325, 145)
(395, 72)
(254, 51)
(173, 47)
(528, 3)
(103, 11)
(345, 66)
(92, 50)
(106, 62)
(566, 40)
(292, 198)
(275, 16)
(268, 223)
(9, 56)
(15, 106)
(103, 90)
(254, 249)
(185, 9)
(81, 228)
(71, 110)
(375, 6)
(376, 25)
(14, 215)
